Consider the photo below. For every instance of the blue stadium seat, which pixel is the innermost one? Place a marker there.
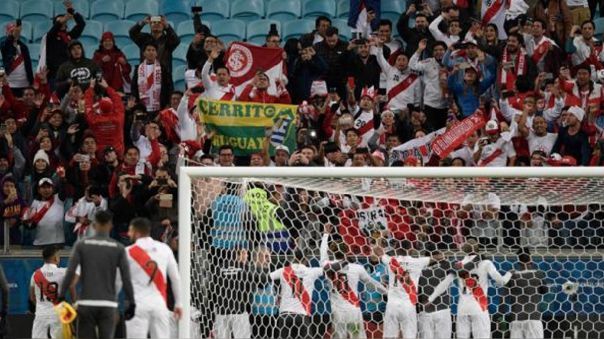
(89, 49)
(342, 9)
(139, 9)
(283, 10)
(599, 29)
(294, 29)
(9, 10)
(176, 11)
(132, 53)
(247, 10)
(40, 29)
(344, 30)
(186, 31)
(34, 51)
(392, 9)
(178, 77)
(82, 7)
(92, 32)
(214, 10)
(105, 11)
(120, 29)
(315, 8)
(257, 30)
(229, 30)
(26, 31)
(179, 57)
(36, 10)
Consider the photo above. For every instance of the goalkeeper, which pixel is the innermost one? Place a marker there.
(99, 257)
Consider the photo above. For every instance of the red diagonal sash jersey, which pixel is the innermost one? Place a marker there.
(404, 279)
(150, 267)
(340, 283)
(297, 288)
(46, 287)
(402, 86)
(479, 295)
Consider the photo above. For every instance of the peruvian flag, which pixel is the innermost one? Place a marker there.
(244, 61)
(357, 17)
(493, 12)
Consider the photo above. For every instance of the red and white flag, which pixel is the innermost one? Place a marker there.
(244, 60)
(493, 12)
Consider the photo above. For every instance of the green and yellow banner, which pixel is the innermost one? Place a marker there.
(243, 125)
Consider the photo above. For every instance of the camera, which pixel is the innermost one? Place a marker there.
(99, 76)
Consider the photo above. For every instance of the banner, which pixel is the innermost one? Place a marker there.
(243, 124)
(244, 60)
(420, 148)
(457, 134)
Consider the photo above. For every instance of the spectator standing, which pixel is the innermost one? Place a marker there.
(162, 35)
(257, 91)
(111, 60)
(467, 87)
(496, 149)
(77, 69)
(363, 66)
(385, 33)
(47, 211)
(16, 58)
(572, 140)
(107, 123)
(56, 41)
(544, 52)
(12, 207)
(585, 48)
(152, 81)
(219, 89)
(322, 23)
(579, 11)
(196, 54)
(335, 52)
(416, 34)
(305, 69)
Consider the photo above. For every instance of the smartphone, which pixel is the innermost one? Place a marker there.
(18, 22)
(549, 76)
(273, 28)
(156, 18)
(99, 76)
(351, 82)
(332, 90)
(196, 9)
(140, 169)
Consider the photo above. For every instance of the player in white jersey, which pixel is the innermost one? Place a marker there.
(151, 263)
(43, 293)
(473, 282)
(403, 276)
(345, 298)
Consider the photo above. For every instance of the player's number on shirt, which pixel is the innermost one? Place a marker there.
(153, 265)
(50, 292)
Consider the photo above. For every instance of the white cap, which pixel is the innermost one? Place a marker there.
(577, 111)
(492, 126)
(282, 148)
(45, 181)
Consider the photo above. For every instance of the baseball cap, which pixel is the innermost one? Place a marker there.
(108, 149)
(492, 127)
(282, 148)
(45, 181)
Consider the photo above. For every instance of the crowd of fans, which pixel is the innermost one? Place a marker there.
(80, 134)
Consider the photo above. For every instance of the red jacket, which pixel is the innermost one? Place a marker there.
(252, 94)
(107, 128)
(113, 71)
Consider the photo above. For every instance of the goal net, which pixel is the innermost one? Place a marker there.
(405, 252)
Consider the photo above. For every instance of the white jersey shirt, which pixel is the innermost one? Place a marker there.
(163, 262)
(213, 90)
(496, 154)
(414, 267)
(485, 269)
(409, 94)
(289, 302)
(544, 143)
(47, 293)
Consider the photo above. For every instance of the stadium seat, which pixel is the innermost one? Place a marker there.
(247, 10)
(36, 10)
(599, 29)
(285, 10)
(315, 8)
(105, 11)
(82, 7)
(178, 77)
(214, 10)
(257, 30)
(90, 48)
(132, 53)
(392, 9)
(342, 9)
(294, 29)
(179, 57)
(229, 30)
(40, 29)
(34, 51)
(9, 10)
(139, 9)
(345, 32)
(26, 31)
(120, 30)
(176, 11)
(92, 32)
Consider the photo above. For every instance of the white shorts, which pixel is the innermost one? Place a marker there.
(479, 325)
(526, 329)
(435, 325)
(154, 321)
(400, 317)
(237, 324)
(347, 320)
(43, 324)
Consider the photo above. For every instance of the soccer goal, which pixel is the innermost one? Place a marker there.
(242, 231)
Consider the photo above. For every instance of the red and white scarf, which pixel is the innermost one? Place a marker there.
(541, 49)
(149, 86)
(508, 79)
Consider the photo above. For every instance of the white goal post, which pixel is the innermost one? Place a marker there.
(187, 175)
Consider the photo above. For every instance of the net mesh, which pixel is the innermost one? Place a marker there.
(400, 256)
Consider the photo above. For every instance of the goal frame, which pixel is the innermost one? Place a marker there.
(186, 174)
